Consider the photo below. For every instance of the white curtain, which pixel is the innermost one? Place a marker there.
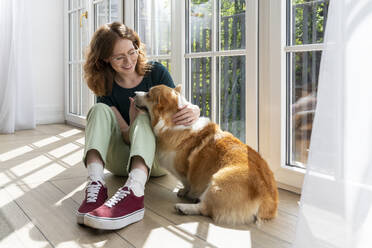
(16, 86)
(336, 202)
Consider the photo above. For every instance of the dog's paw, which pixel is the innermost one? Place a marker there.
(187, 209)
(182, 192)
(179, 208)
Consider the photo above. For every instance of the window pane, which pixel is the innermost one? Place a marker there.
(201, 85)
(84, 96)
(155, 26)
(114, 10)
(70, 82)
(100, 14)
(166, 63)
(84, 37)
(305, 72)
(75, 35)
(232, 24)
(70, 35)
(200, 25)
(232, 95)
(105, 12)
(75, 84)
(308, 21)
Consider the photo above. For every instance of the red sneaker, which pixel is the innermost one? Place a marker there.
(122, 209)
(95, 196)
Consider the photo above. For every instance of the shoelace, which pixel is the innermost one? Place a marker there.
(92, 191)
(119, 195)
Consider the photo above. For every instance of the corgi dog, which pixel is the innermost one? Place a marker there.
(225, 178)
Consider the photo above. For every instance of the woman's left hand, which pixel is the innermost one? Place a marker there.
(187, 115)
(133, 110)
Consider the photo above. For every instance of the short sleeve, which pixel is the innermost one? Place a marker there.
(106, 100)
(161, 75)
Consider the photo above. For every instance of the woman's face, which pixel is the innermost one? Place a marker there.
(124, 57)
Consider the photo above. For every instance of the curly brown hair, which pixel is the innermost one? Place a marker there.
(98, 73)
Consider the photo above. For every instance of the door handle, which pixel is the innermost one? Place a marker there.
(85, 14)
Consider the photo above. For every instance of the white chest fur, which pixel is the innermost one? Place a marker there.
(167, 161)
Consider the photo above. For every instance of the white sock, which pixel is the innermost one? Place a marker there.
(136, 181)
(95, 172)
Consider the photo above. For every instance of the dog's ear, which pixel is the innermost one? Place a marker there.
(178, 88)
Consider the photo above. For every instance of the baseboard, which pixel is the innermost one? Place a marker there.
(49, 114)
(289, 188)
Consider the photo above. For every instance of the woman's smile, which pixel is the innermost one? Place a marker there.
(127, 67)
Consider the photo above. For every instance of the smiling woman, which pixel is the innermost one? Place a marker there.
(118, 135)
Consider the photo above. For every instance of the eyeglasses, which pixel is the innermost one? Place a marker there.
(121, 57)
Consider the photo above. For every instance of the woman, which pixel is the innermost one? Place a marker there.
(118, 136)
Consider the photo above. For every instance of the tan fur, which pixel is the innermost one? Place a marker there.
(233, 182)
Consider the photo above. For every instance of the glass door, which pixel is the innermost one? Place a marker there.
(82, 18)
(291, 43)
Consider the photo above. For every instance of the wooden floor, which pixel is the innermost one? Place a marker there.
(42, 183)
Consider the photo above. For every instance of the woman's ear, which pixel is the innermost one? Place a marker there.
(178, 88)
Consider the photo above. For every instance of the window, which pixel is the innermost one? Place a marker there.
(216, 61)
(305, 32)
(154, 28)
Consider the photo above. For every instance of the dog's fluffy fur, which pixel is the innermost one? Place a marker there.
(232, 181)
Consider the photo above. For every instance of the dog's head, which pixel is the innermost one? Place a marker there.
(161, 102)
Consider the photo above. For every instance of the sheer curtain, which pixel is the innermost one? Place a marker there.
(336, 202)
(16, 86)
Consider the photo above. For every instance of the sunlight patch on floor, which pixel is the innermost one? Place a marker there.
(39, 177)
(70, 133)
(168, 237)
(15, 153)
(4, 179)
(29, 166)
(219, 236)
(23, 234)
(46, 141)
(74, 158)
(69, 195)
(63, 150)
(81, 141)
(75, 244)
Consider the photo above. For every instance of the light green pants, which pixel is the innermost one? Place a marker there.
(103, 134)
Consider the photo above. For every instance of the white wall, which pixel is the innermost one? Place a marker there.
(48, 67)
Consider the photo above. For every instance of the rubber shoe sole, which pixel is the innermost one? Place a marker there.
(80, 218)
(103, 223)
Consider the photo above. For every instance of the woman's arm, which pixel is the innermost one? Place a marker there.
(124, 127)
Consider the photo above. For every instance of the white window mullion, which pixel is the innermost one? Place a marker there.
(178, 43)
(304, 48)
(251, 73)
(238, 52)
(214, 87)
(130, 13)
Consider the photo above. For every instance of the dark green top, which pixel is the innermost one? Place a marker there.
(120, 96)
